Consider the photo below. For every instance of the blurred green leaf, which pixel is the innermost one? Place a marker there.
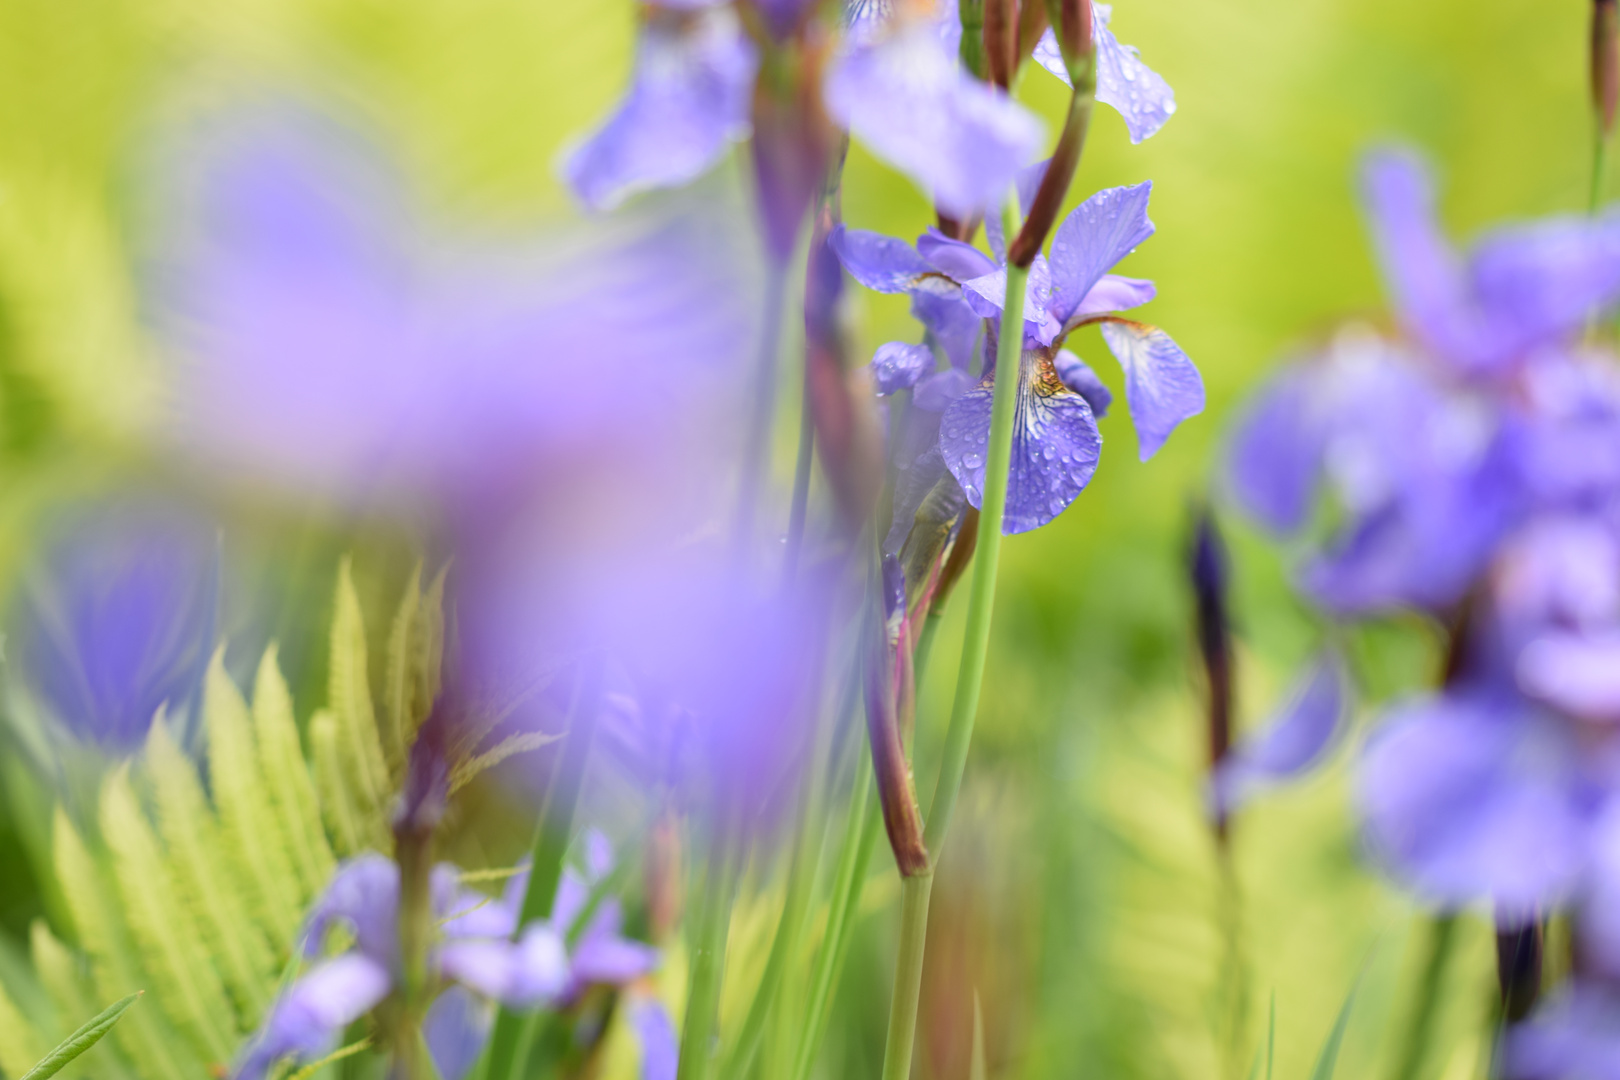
(81, 1040)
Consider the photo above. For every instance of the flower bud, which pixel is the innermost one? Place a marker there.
(1000, 41)
(1519, 952)
(1605, 63)
(1071, 23)
(1210, 576)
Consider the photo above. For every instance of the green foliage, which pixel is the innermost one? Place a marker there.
(1329, 1057)
(82, 1039)
(193, 883)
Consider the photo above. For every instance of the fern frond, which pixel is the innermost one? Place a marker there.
(251, 829)
(201, 869)
(162, 925)
(343, 816)
(399, 690)
(21, 1043)
(149, 1038)
(467, 768)
(286, 775)
(349, 698)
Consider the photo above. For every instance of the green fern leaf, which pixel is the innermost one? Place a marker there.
(364, 768)
(149, 1038)
(343, 816)
(399, 691)
(251, 829)
(21, 1043)
(162, 926)
(83, 1038)
(67, 986)
(467, 768)
(287, 776)
(201, 869)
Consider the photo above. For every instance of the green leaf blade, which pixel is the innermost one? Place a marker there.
(82, 1039)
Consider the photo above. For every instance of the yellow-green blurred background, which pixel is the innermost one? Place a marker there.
(1080, 895)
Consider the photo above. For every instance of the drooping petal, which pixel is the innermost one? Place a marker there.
(364, 894)
(1576, 1034)
(1162, 387)
(312, 1013)
(484, 964)
(1054, 452)
(1115, 293)
(898, 365)
(456, 1027)
(1275, 455)
(1078, 376)
(612, 959)
(1542, 281)
(881, 263)
(1468, 798)
(690, 99)
(1291, 741)
(1097, 234)
(1140, 94)
(655, 1031)
(1576, 673)
(906, 98)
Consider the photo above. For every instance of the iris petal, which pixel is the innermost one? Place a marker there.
(1138, 92)
(881, 263)
(1097, 234)
(1162, 387)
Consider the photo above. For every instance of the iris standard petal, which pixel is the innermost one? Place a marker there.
(1055, 445)
(905, 96)
(898, 365)
(1275, 456)
(1162, 386)
(1138, 92)
(1078, 376)
(1291, 741)
(1469, 798)
(881, 263)
(986, 295)
(1097, 234)
(691, 97)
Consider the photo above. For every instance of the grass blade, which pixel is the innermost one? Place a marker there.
(1329, 1057)
(81, 1040)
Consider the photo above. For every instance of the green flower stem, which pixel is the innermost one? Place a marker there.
(915, 889)
(762, 408)
(514, 1032)
(861, 830)
(708, 958)
(799, 508)
(1420, 1033)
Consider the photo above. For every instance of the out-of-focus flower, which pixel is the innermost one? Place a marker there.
(1290, 742)
(548, 964)
(1056, 445)
(694, 78)
(326, 338)
(1138, 92)
(118, 618)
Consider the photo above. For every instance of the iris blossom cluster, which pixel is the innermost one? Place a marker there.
(549, 963)
(1473, 477)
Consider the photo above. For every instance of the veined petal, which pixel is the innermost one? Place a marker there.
(898, 365)
(1115, 293)
(1055, 444)
(1097, 234)
(691, 97)
(1162, 387)
(953, 258)
(1291, 741)
(881, 263)
(905, 97)
(1078, 376)
(1138, 92)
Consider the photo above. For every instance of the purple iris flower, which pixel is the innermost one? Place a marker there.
(899, 87)
(1140, 95)
(118, 619)
(1575, 1035)
(693, 89)
(1291, 742)
(1056, 445)
(482, 956)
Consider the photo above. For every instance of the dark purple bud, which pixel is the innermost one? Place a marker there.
(1210, 578)
(1605, 63)
(1518, 967)
(886, 669)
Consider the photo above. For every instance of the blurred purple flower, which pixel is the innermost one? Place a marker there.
(1289, 743)
(693, 88)
(327, 339)
(118, 619)
(1140, 95)
(1576, 1035)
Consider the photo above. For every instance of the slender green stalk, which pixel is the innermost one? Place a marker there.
(1600, 162)
(861, 831)
(915, 889)
(762, 409)
(801, 488)
(925, 646)
(514, 1032)
(708, 959)
(1420, 1033)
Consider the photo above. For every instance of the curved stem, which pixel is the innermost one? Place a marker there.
(969, 674)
